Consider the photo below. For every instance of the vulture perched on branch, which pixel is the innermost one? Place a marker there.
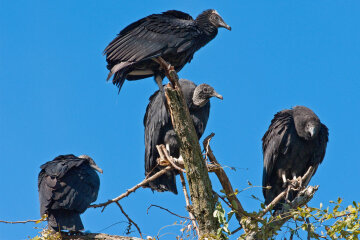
(295, 141)
(159, 129)
(173, 35)
(67, 186)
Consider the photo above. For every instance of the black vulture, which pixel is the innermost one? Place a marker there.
(295, 141)
(173, 35)
(67, 185)
(159, 129)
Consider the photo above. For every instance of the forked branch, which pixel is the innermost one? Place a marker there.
(133, 189)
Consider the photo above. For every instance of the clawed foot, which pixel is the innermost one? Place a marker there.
(295, 183)
(165, 159)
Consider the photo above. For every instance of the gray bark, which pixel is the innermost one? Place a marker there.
(201, 193)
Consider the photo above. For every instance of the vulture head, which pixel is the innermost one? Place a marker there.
(91, 163)
(307, 123)
(203, 93)
(212, 16)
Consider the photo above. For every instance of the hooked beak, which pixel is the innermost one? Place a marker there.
(311, 130)
(224, 25)
(215, 94)
(97, 168)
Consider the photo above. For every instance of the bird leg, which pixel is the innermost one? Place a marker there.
(161, 160)
(158, 80)
(283, 176)
(180, 159)
(296, 182)
(287, 194)
(176, 160)
(165, 159)
(163, 65)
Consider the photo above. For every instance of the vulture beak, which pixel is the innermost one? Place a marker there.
(94, 166)
(224, 25)
(215, 94)
(311, 130)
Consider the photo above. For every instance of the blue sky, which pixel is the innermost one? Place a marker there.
(54, 98)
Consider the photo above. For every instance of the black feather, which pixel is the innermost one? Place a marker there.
(157, 124)
(67, 186)
(173, 35)
(285, 150)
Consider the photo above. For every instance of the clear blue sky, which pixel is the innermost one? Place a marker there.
(54, 98)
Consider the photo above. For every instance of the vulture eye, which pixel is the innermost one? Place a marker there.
(216, 17)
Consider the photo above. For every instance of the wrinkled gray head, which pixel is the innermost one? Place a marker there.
(203, 93)
(91, 163)
(307, 124)
(214, 18)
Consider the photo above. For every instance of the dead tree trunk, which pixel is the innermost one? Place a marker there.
(201, 193)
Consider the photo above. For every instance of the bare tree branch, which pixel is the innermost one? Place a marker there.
(129, 219)
(26, 221)
(153, 205)
(268, 230)
(284, 193)
(188, 206)
(202, 197)
(133, 189)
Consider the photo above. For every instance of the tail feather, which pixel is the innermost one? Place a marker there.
(65, 220)
(164, 183)
(120, 70)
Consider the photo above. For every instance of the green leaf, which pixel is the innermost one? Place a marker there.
(230, 214)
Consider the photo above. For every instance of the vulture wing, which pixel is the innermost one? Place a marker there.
(152, 36)
(156, 122)
(70, 185)
(276, 141)
(319, 154)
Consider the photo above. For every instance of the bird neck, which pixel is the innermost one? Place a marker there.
(206, 26)
(198, 102)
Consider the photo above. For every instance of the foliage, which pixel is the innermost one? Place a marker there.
(335, 223)
(223, 219)
(47, 234)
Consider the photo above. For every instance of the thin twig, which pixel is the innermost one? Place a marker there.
(273, 203)
(26, 221)
(236, 230)
(128, 218)
(225, 201)
(308, 228)
(153, 205)
(133, 189)
(187, 201)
